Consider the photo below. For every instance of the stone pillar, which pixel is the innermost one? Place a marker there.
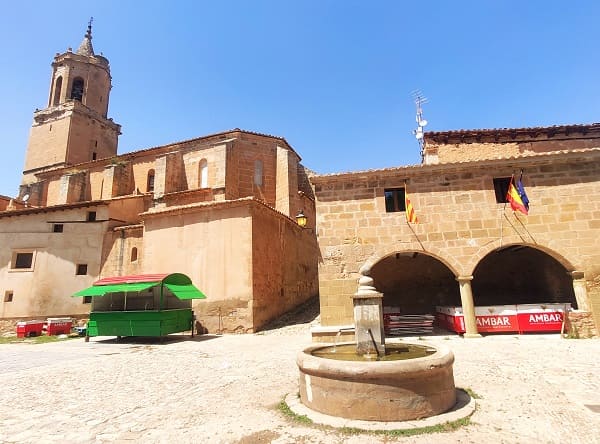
(466, 298)
(368, 317)
(116, 181)
(580, 290)
(168, 174)
(72, 188)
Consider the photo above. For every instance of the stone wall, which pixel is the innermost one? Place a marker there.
(284, 264)
(581, 325)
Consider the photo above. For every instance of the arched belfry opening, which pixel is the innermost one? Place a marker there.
(77, 89)
(57, 91)
(415, 283)
(519, 274)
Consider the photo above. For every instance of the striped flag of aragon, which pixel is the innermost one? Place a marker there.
(411, 216)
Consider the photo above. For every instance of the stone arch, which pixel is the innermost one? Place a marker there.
(57, 90)
(413, 247)
(523, 273)
(497, 245)
(412, 280)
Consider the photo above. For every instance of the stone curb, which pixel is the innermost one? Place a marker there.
(464, 407)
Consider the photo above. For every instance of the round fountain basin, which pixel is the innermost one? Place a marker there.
(372, 390)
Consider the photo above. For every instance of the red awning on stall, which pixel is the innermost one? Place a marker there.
(179, 284)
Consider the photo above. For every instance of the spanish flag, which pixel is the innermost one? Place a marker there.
(411, 216)
(514, 197)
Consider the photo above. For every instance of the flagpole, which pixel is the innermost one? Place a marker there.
(504, 212)
(502, 222)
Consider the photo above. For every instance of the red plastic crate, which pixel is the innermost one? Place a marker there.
(58, 326)
(29, 328)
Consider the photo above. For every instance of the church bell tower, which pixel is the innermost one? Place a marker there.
(74, 127)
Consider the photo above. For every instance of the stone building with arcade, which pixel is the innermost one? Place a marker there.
(468, 248)
(219, 208)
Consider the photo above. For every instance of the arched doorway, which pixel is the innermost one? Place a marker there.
(415, 283)
(519, 274)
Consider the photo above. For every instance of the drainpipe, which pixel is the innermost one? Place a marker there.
(121, 254)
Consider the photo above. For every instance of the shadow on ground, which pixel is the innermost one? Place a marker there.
(302, 314)
(153, 340)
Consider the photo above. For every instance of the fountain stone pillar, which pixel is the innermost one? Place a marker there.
(368, 317)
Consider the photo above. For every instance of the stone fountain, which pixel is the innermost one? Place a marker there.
(376, 382)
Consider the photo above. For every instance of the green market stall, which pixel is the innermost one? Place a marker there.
(141, 305)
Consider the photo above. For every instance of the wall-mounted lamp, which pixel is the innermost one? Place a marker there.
(301, 219)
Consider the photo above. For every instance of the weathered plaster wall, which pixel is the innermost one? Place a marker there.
(212, 244)
(46, 289)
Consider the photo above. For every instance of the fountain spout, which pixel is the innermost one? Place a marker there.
(379, 354)
(339, 334)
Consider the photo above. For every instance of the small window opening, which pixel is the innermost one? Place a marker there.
(81, 269)
(95, 144)
(23, 261)
(203, 173)
(91, 216)
(77, 89)
(50, 128)
(134, 254)
(57, 228)
(258, 173)
(501, 188)
(8, 296)
(87, 299)
(94, 155)
(57, 91)
(150, 181)
(394, 200)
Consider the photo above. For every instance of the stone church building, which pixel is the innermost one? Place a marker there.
(220, 208)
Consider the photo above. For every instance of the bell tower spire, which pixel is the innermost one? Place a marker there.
(86, 48)
(74, 127)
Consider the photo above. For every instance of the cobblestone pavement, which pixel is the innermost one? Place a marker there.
(225, 389)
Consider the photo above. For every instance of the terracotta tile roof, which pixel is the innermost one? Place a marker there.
(35, 210)
(211, 204)
(145, 151)
(550, 131)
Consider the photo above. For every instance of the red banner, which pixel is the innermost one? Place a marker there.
(506, 318)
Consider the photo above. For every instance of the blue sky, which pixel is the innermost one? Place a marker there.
(332, 77)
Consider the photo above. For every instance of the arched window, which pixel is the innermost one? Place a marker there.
(150, 181)
(203, 174)
(134, 254)
(258, 173)
(77, 89)
(57, 90)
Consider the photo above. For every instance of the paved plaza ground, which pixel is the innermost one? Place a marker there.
(226, 389)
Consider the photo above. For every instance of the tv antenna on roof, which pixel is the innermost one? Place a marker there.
(421, 122)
